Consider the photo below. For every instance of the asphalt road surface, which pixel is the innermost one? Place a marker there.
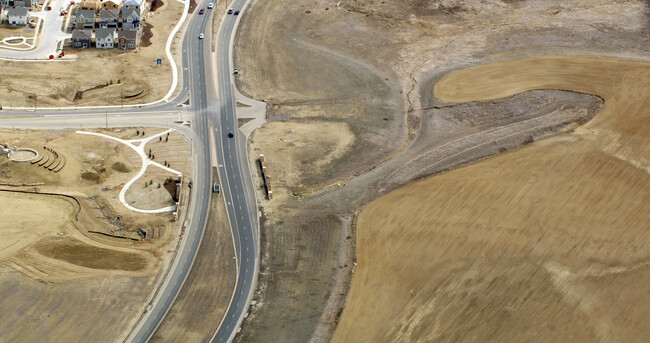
(240, 199)
(235, 176)
(207, 113)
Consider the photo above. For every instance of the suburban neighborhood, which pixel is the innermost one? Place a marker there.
(101, 24)
(109, 23)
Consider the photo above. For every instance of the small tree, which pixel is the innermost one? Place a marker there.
(158, 185)
(151, 182)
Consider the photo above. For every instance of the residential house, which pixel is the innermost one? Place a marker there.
(89, 5)
(111, 4)
(17, 16)
(109, 18)
(128, 39)
(136, 4)
(82, 38)
(24, 3)
(105, 38)
(85, 19)
(130, 18)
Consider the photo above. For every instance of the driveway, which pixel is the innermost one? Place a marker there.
(51, 35)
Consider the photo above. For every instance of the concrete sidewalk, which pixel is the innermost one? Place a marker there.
(51, 34)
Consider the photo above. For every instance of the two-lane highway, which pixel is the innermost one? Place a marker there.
(240, 199)
(194, 54)
(235, 176)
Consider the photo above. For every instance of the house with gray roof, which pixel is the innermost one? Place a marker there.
(135, 4)
(85, 19)
(24, 3)
(109, 18)
(130, 18)
(82, 39)
(17, 16)
(128, 39)
(105, 38)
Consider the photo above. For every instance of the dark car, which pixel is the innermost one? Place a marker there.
(202, 11)
(231, 134)
(237, 12)
(230, 11)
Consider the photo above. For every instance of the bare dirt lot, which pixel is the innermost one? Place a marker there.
(529, 244)
(200, 306)
(50, 84)
(372, 66)
(66, 236)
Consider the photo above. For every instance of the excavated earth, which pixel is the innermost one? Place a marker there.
(352, 116)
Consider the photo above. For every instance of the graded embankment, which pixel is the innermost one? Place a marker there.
(545, 243)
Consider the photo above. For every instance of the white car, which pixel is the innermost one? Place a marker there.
(201, 36)
(210, 5)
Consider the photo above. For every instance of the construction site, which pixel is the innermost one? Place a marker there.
(91, 217)
(425, 171)
(450, 170)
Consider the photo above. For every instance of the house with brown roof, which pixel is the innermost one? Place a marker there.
(128, 39)
(89, 5)
(111, 4)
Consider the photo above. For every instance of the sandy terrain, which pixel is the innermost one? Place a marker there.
(372, 65)
(48, 84)
(204, 298)
(71, 243)
(530, 245)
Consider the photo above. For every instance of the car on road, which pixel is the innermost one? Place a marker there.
(230, 10)
(202, 11)
(235, 72)
(231, 134)
(237, 12)
(201, 36)
(210, 5)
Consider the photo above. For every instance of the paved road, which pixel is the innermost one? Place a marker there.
(240, 197)
(51, 34)
(236, 180)
(233, 167)
(194, 60)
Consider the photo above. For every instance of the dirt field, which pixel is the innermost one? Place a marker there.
(372, 66)
(51, 84)
(531, 244)
(82, 247)
(204, 298)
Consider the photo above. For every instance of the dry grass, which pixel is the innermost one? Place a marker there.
(545, 243)
(204, 298)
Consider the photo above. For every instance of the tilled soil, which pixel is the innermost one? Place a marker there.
(373, 65)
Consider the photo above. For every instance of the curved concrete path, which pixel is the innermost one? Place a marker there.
(146, 162)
